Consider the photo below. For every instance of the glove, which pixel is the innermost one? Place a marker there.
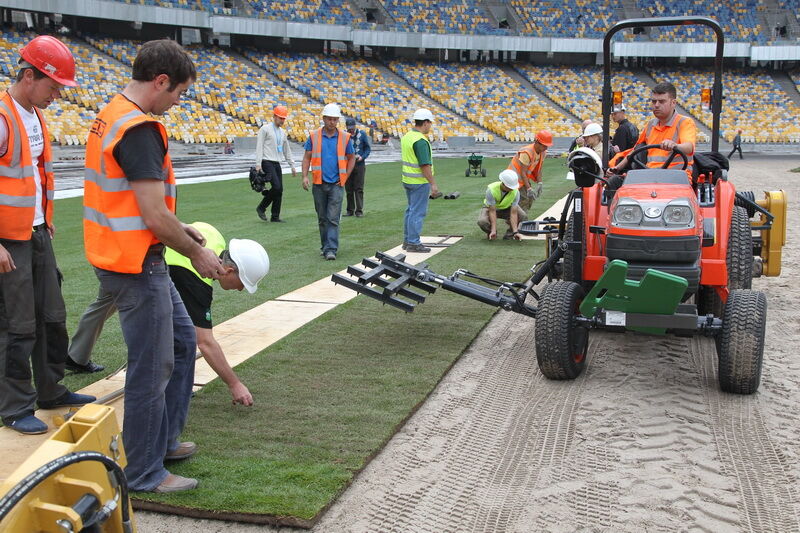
(535, 191)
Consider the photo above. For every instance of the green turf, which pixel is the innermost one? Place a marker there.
(332, 393)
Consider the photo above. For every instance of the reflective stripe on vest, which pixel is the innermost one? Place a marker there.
(502, 199)
(532, 170)
(115, 235)
(411, 170)
(214, 241)
(18, 175)
(341, 155)
(653, 154)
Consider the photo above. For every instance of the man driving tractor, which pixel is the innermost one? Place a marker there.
(668, 129)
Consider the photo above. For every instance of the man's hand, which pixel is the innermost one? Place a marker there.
(6, 262)
(493, 235)
(305, 182)
(615, 149)
(206, 262)
(668, 144)
(517, 236)
(258, 167)
(294, 173)
(241, 395)
(434, 189)
(195, 235)
(51, 230)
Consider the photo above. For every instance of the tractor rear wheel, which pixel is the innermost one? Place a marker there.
(739, 262)
(740, 344)
(561, 344)
(483, 172)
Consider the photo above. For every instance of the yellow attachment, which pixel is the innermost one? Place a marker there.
(773, 240)
(48, 507)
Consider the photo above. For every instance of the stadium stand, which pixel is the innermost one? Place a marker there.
(753, 102)
(441, 16)
(486, 95)
(564, 18)
(578, 89)
(362, 91)
(738, 18)
(315, 11)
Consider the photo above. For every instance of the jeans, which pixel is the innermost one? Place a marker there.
(355, 190)
(161, 353)
(33, 333)
(328, 203)
(417, 195)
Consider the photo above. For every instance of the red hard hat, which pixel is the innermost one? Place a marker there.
(52, 57)
(544, 137)
(280, 111)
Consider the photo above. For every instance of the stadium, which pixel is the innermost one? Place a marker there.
(367, 419)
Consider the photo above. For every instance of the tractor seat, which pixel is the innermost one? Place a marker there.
(656, 175)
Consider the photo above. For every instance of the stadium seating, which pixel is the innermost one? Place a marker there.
(441, 16)
(488, 96)
(564, 18)
(753, 102)
(317, 11)
(738, 18)
(361, 90)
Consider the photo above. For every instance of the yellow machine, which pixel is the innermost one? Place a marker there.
(73, 482)
(772, 240)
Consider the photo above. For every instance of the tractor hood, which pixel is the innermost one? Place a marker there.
(656, 207)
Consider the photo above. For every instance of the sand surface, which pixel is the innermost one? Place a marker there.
(642, 441)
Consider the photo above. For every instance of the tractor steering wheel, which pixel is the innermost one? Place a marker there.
(636, 164)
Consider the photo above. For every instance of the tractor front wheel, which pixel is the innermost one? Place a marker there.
(740, 345)
(561, 344)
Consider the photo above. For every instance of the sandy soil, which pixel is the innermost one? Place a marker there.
(642, 441)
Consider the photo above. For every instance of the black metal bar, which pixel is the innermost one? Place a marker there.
(372, 293)
(577, 234)
(716, 94)
(381, 282)
(485, 294)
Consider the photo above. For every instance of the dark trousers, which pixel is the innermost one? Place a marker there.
(354, 186)
(274, 194)
(33, 333)
(735, 148)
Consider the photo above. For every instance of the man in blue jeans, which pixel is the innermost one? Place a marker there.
(330, 158)
(418, 180)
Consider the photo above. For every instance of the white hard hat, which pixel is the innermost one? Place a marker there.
(618, 108)
(331, 110)
(252, 261)
(592, 129)
(423, 114)
(509, 179)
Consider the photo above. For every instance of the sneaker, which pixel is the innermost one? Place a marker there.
(175, 483)
(348, 214)
(28, 425)
(88, 368)
(405, 245)
(68, 399)
(359, 215)
(418, 248)
(330, 256)
(183, 451)
(276, 220)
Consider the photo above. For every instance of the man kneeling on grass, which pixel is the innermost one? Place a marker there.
(244, 264)
(502, 201)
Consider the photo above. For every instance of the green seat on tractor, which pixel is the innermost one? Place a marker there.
(657, 293)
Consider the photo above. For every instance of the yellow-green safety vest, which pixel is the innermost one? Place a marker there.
(214, 240)
(502, 200)
(412, 174)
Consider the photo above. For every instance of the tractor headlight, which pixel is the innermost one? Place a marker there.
(678, 215)
(628, 214)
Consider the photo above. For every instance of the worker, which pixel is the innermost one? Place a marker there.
(527, 163)
(272, 143)
(626, 133)
(244, 264)
(129, 216)
(668, 129)
(502, 201)
(577, 142)
(330, 158)
(32, 311)
(593, 137)
(418, 178)
(737, 145)
(355, 184)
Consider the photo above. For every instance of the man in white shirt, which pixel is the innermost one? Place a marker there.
(33, 331)
(271, 145)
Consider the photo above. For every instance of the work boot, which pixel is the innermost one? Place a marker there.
(68, 399)
(330, 256)
(417, 248)
(88, 368)
(262, 213)
(174, 483)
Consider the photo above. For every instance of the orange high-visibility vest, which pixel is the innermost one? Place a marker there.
(316, 156)
(673, 131)
(114, 233)
(532, 170)
(17, 175)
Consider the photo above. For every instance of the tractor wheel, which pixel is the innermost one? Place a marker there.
(483, 172)
(570, 256)
(561, 344)
(466, 173)
(740, 345)
(739, 260)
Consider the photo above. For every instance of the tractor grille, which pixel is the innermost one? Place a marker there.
(661, 250)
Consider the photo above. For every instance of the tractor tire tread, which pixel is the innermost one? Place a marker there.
(554, 315)
(740, 345)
